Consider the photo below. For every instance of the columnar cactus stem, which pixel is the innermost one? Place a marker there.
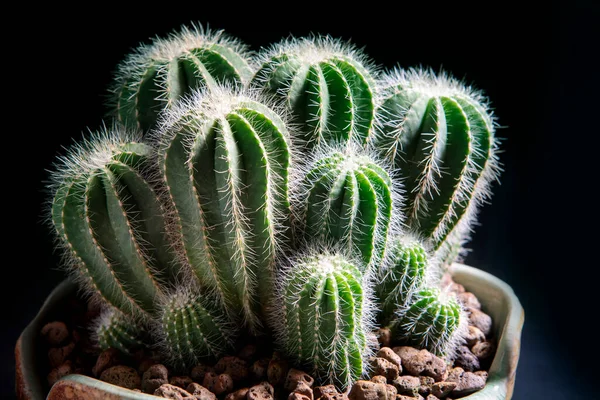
(405, 272)
(113, 329)
(111, 223)
(155, 76)
(347, 198)
(225, 158)
(326, 84)
(440, 135)
(323, 317)
(191, 330)
(435, 320)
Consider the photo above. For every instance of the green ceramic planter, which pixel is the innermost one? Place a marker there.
(496, 297)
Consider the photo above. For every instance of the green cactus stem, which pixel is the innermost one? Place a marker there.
(404, 274)
(225, 157)
(113, 329)
(435, 321)
(110, 221)
(191, 330)
(155, 76)
(440, 135)
(325, 83)
(347, 199)
(323, 318)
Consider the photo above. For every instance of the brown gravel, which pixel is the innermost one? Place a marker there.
(398, 373)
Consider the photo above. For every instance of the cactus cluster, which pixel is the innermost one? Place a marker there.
(297, 193)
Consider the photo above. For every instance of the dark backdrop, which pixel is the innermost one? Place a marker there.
(537, 65)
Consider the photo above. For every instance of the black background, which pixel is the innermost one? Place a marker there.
(537, 64)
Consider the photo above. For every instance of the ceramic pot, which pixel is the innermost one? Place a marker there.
(496, 297)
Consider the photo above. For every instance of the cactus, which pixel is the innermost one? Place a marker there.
(325, 83)
(225, 157)
(191, 329)
(405, 272)
(347, 198)
(113, 329)
(110, 222)
(323, 317)
(440, 135)
(155, 76)
(435, 320)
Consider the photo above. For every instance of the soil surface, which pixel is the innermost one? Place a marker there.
(257, 372)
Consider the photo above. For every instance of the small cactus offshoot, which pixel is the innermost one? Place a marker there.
(324, 317)
(156, 76)
(440, 135)
(325, 83)
(347, 198)
(403, 275)
(110, 222)
(434, 320)
(192, 329)
(113, 329)
(224, 157)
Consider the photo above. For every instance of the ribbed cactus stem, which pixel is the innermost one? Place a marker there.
(113, 329)
(110, 222)
(440, 135)
(156, 76)
(191, 330)
(346, 198)
(325, 83)
(434, 320)
(324, 317)
(402, 276)
(225, 157)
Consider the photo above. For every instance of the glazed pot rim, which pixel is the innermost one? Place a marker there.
(497, 299)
